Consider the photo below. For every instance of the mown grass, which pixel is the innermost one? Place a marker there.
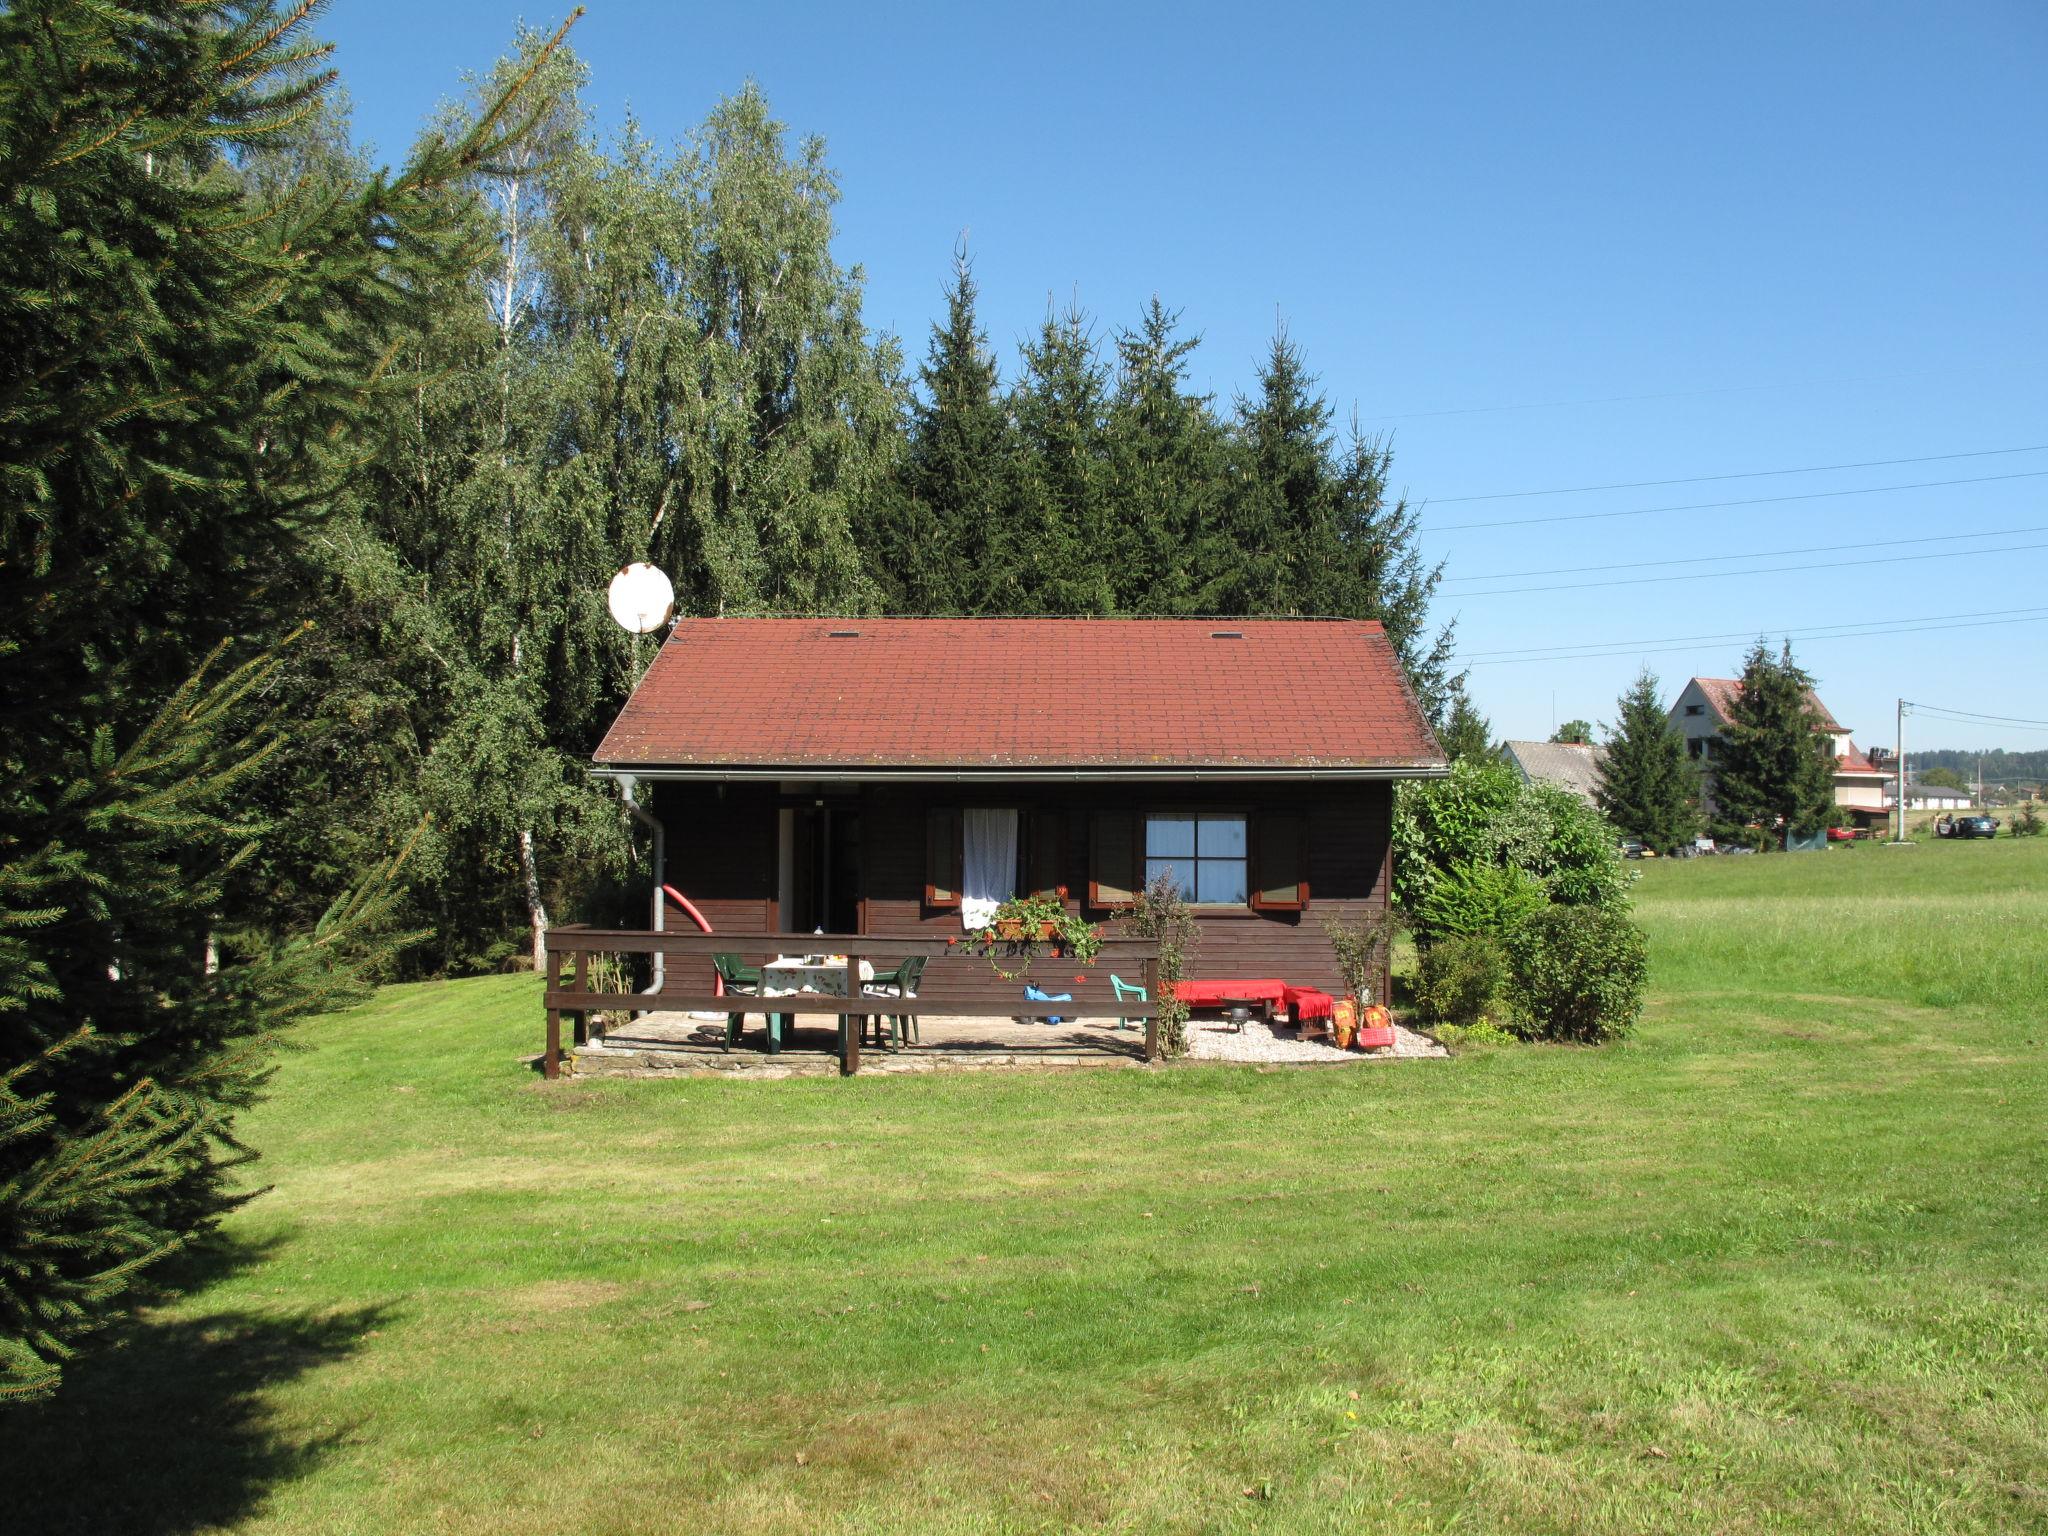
(1778, 1264)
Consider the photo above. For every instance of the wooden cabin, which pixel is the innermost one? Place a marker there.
(895, 778)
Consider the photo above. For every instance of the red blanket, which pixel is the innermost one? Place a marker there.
(1310, 1003)
(1214, 994)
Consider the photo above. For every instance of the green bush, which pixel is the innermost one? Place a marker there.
(1577, 973)
(2026, 820)
(1483, 816)
(1461, 977)
(1478, 898)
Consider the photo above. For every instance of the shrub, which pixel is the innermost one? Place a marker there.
(1481, 1031)
(1461, 977)
(1484, 816)
(2027, 820)
(1577, 974)
(1478, 898)
(1161, 913)
(1361, 946)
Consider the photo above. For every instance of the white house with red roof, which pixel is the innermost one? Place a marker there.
(1705, 706)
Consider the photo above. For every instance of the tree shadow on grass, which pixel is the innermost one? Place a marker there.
(164, 1427)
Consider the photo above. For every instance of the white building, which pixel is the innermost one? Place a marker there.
(1706, 704)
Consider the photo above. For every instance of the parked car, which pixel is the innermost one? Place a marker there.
(1635, 850)
(1966, 826)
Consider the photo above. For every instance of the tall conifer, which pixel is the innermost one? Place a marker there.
(194, 358)
(1067, 542)
(1774, 765)
(957, 474)
(1166, 479)
(1648, 787)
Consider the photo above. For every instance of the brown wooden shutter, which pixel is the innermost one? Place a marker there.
(1113, 859)
(942, 856)
(1280, 862)
(1045, 852)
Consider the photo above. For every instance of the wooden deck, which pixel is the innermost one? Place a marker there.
(659, 1044)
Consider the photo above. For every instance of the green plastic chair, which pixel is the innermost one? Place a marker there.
(905, 978)
(1126, 992)
(737, 978)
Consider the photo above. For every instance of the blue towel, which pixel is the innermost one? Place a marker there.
(1040, 995)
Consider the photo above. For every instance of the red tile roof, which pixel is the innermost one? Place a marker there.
(1024, 693)
(1722, 692)
(1854, 761)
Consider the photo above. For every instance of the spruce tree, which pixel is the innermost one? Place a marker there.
(1373, 568)
(1648, 787)
(1278, 519)
(1166, 458)
(195, 359)
(954, 554)
(1465, 734)
(1774, 764)
(1066, 541)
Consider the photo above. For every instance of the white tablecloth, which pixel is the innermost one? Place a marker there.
(782, 976)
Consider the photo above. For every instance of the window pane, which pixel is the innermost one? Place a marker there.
(1222, 837)
(1154, 868)
(1221, 880)
(1167, 836)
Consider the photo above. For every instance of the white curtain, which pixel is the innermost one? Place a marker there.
(988, 864)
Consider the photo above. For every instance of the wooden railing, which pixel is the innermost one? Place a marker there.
(960, 982)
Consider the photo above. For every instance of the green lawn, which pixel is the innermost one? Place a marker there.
(1778, 1264)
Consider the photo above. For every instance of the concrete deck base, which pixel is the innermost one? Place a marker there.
(670, 1044)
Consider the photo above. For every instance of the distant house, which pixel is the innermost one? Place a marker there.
(1567, 764)
(1928, 797)
(1705, 706)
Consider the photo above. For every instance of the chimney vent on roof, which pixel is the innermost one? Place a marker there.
(1226, 634)
(845, 634)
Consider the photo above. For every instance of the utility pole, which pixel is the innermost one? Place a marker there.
(1899, 793)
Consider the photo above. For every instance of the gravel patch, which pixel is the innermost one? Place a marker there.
(1213, 1040)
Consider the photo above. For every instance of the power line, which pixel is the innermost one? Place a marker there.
(1678, 394)
(1981, 724)
(1746, 474)
(1761, 554)
(1752, 501)
(1760, 570)
(1817, 630)
(1513, 661)
(1994, 719)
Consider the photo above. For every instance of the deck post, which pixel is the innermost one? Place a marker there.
(849, 1023)
(1151, 974)
(551, 1061)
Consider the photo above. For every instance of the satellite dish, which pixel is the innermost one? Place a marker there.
(641, 598)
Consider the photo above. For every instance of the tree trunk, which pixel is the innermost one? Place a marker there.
(536, 910)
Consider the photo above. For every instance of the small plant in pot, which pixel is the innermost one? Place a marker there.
(1022, 923)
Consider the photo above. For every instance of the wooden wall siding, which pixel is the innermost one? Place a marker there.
(1349, 828)
(722, 855)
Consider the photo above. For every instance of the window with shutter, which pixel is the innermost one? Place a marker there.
(942, 856)
(1113, 859)
(1045, 852)
(1280, 858)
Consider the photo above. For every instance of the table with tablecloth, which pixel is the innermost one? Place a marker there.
(784, 975)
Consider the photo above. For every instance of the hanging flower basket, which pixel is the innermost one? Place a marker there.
(1024, 924)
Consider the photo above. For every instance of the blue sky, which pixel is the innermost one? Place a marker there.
(1544, 247)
